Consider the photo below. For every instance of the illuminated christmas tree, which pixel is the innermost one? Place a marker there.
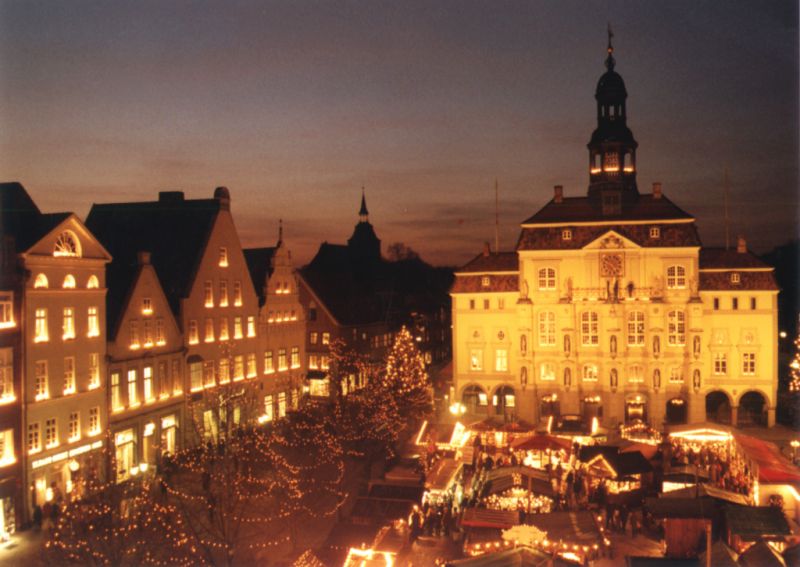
(794, 366)
(405, 377)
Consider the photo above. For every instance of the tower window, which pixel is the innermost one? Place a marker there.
(566, 234)
(655, 232)
(485, 281)
(611, 162)
(736, 278)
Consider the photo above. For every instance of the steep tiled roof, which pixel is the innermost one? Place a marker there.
(492, 262)
(21, 218)
(474, 284)
(173, 230)
(672, 235)
(584, 209)
(259, 264)
(721, 258)
(721, 281)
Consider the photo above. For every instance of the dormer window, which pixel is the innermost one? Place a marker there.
(566, 234)
(69, 282)
(41, 282)
(223, 257)
(485, 281)
(67, 245)
(736, 278)
(147, 306)
(655, 232)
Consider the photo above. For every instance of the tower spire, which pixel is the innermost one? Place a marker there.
(280, 232)
(610, 59)
(363, 213)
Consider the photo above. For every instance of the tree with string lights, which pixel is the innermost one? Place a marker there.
(406, 378)
(120, 524)
(794, 368)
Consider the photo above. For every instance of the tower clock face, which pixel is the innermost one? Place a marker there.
(611, 265)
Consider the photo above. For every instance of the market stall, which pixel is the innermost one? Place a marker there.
(441, 481)
(539, 449)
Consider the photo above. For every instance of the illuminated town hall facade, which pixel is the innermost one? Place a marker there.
(611, 308)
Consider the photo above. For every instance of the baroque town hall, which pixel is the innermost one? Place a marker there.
(611, 308)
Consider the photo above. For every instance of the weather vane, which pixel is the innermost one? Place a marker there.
(610, 59)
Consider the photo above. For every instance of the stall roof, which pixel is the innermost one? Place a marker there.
(721, 555)
(485, 518)
(761, 554)
(574, 527)
(540, 442)
(491, 424)
(517, 557)
(773, 468)
(442, 475)
(685, 508)
(707, 490)
(502, 478)
(623, 464)
(753, 522)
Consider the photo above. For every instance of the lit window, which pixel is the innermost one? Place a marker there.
(94, 420)
(485, 281)
(224, 371)
(116, 396)
(281, 404)
(195, 376)
(223, 257)
(749, 363)
(42, 388)
(676, 277)
(7, 375)
(67, 245)
(41, 282)
(209, 330)
(251, 365)
(133, 330)
(268, 408)
(326, 338)
(34, 438)
(324, 362)
(269, 367)
(655, 232)
(238, 367)
(590, 373)
(547, 371)
(635, 374)
(148, 383)
(675, 375)
(676, 328)
(69, 323)
(74, 426)
(547, 328)
(41, 334)
(94, 371)
(147, 306)
(209, 291)
(208, 374)
(282, 363)
(295, 362)
(194, 333)
(720, 364)
(313, 362)
(237, 293)
(237, 327)
(132, 394)
(6, 309)
(160, 334)
(93, 322)
(736, 278)
(223, 329)
(476, 359)
(69, 375)
(50, 433)
(177, 384)
(147, 328)
(636, 328)
(223, 293)
(547, 279)
(566, 234)
(251, 326)
(69, 282)
(7, 456)
(589, 329)
(93, 283)
(312, 338)
(294, 315)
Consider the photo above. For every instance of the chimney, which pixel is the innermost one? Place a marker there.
(558, 194)
(222, 195)
(741, 245)
(486, 250)
(143, 258)
(657, 190)
(170, 196)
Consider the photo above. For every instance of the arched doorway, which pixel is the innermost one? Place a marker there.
(718, 407)
(676, 411)
(504, 402)
(474, 399)
(591, 407)
(635, 409)
(752, 409)
(550, 406)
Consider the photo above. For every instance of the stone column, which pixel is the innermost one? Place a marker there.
(771, 416)
(734, 415)
(697, 408)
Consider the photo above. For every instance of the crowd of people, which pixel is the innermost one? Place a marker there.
(717, 461)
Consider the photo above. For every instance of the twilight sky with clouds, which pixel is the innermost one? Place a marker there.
(294, 105)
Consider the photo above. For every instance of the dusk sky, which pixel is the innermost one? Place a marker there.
(295, 105)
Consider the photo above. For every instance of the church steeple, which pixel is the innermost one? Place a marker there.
(612, 148)
(363, 214)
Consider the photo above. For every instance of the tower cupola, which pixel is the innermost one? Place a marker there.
(612, 148)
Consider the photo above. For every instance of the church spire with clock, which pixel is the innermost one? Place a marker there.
(612, 148)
